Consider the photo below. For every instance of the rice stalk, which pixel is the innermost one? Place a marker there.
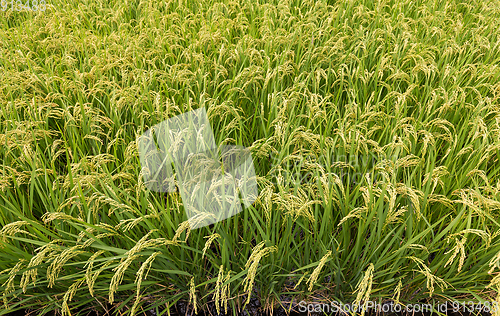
(314, 275)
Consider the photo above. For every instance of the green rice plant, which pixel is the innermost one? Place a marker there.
(374, 127)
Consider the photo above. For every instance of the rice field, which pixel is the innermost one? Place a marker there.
(374, 128)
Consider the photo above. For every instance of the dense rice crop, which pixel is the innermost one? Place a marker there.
(374, 128)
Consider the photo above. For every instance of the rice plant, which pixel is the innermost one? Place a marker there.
(374, 127)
